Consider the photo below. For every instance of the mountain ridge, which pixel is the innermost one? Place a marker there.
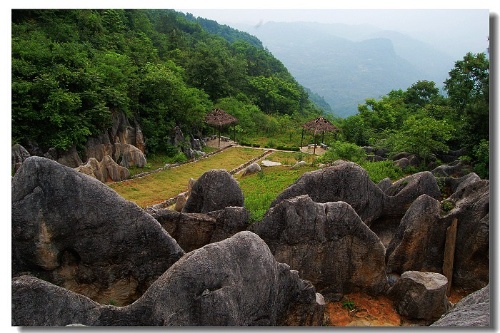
(347, 64)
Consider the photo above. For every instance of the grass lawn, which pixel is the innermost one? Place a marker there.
(157, 187)
(262, 188)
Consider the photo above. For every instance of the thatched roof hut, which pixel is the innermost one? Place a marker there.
(318, 125)
(219, 118)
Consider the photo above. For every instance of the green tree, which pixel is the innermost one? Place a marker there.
(468, 92)
(421, 93)
(421, 135)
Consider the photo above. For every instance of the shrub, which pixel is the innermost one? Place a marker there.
(382, 169)
(482, 155)
(344, 151)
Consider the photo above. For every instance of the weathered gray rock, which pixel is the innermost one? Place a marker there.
(70, 158)
(420, 295)
(251, 169)
(299, 164)
(230, 221)
(180, 202)
(472, 311)
(472, 253)
(105, 171)
(418, 244)
(327, 243)
(214, 190)
(74, 231)
(344, 181)
(236, 282)
(385, 184)
(19, 154)
(375, 158)
(454, 169)
(405, 191)
(128, 155)
(195, 230)
(98, 147)
(401, 155)
(402, 163)
(268, 163)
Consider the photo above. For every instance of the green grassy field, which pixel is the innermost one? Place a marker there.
(262, 188)
(157, 187)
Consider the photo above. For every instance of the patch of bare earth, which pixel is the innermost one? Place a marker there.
(358, 309)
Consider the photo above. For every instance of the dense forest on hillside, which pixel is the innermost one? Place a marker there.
(72, 69)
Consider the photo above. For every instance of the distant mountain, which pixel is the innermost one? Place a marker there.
(348, 64)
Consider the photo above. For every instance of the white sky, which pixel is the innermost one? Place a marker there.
(455, 31)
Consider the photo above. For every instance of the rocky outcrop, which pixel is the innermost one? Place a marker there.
(251, 169)
(420, 295)
(347, 181)
(327, 243)
(19, 154)
(214, 190)
(405, 191)
(472, 311)
(128, 155)
(195, 230)
(472, 255)
(124, 154)
(344, 181)
(419, 242)
(104, 171)
(454, 169)
(235, 282)
(74, 231)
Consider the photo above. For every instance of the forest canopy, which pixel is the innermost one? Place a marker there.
(73, 69)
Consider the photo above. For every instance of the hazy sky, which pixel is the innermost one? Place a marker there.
(455, 31)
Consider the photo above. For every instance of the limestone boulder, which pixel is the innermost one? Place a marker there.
(105, 171)
(327, 243)
(195, 230)
(454, 169)
(472, 254)
(235, 282)
(230, 221)
(72, 230)
(343, 181)
(214, 190)
(70, 158)
(419, 241)
(385, 184)
(402, 163)
(472, 311)
(98, 147)
(402, 193)
(251, 169)
(36, 302)
(420, 295)
(19, 154)
(128, 155)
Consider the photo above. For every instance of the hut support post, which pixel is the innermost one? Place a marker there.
(219, 136)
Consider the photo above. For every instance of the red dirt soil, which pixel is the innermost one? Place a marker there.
(372, 311)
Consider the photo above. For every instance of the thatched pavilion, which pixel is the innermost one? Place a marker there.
(316, 126)
(219, 118)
